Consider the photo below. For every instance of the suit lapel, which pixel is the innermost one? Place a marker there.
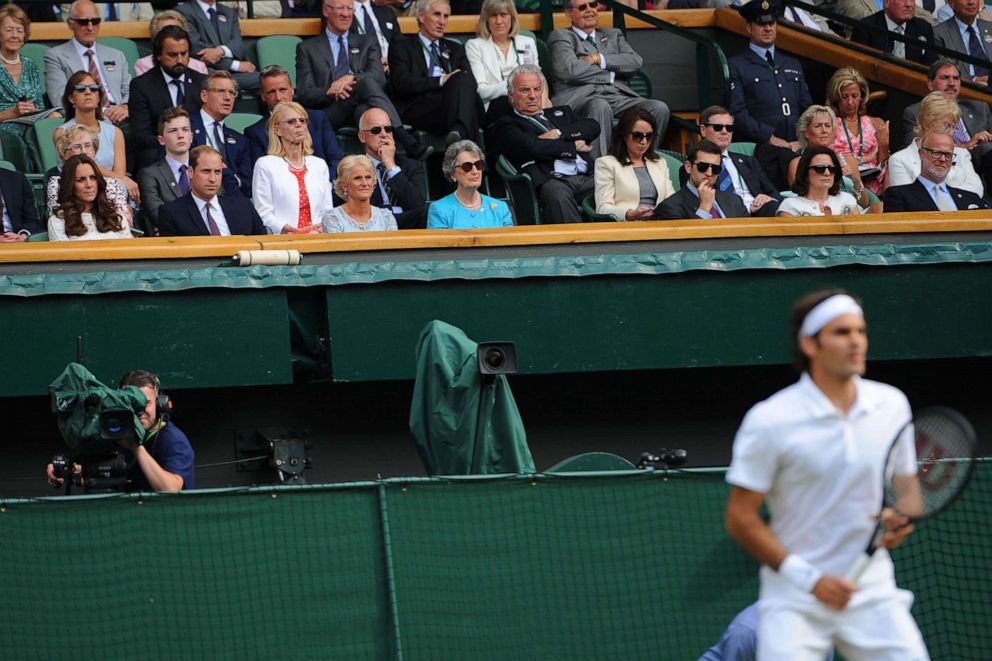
(208, 27)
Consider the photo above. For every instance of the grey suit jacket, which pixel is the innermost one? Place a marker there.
(573, 80)
(947, 35)
(203, 35)
(62, 61)
(315, 65)
(975, 114)
(157, 187)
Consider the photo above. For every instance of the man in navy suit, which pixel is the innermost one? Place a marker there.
(20, 218)
(218, 94)
(168, 85)
(930, 192)
(700, 197)
(740, 174)
(276, 87)
(202, 212)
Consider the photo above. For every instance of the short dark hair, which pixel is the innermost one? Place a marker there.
(797, 315)
(940, 64)
(168, 32)
(141, 379)
(705, 146)
(196, 153)
(170, 114)
(801, 184)
(711, 112)
(275, 70)
(618, 145)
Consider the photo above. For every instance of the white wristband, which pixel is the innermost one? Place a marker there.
(799, 572)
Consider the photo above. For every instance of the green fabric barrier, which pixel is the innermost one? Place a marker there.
(604, 263)
(627, 565)
(462, 424)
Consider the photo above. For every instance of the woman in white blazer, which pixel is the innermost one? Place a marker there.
(497, 50)
(632, 179)
(291, 187)
(939, 113)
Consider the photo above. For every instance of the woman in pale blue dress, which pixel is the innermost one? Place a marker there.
(355, 183)
(466, 208)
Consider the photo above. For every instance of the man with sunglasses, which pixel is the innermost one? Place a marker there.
(400, 181)
(930, 191)
(81, 53)
(590, 67)
(700, 197)
(768, 93)
(741, 174)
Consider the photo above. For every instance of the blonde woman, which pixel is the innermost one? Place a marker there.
(291, 187)
(355, 183)
(861, 142)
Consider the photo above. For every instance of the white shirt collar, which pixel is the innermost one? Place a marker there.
(820, 405)
(582, 34)
(200, 202)
(204, 6)
(892, 25)
(82, 49)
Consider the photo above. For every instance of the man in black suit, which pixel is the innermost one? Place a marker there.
(899, 17)
(167, 85)
(930, 192)
(700, 197)
(399, 181)
(552, 145)
(218, 94)
(740, 174)
(202, 212)
(20, 217)
(432, 80)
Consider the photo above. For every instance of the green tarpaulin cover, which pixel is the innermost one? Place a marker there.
(77, 400)
(463, 425)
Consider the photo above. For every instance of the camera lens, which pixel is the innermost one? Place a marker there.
(114, 425)
(495, 358)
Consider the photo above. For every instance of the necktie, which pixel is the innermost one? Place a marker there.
(960, 133)
(219, 139)
(715, 211)
(367, 20)
(942, 203)
(975, 49)
(211, 225)
(214, 21)
(898, 47)
(592, 42)
(387, 200)
(769, 59)
(341, 65)
(436, 51)
(95, 72)
(111, 11)
(929, 5)
(183, 179)
(180, 96)
(723, 181)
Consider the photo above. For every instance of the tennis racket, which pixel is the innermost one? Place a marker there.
(945, 460)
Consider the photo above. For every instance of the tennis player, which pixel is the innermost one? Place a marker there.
(814, 452)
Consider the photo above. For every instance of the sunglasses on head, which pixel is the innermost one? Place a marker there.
(467, 166)
(376, 130)
(823, 169)
(82, 88)
(703, 167)
(720, 128)
(87, 21)
(642, 137)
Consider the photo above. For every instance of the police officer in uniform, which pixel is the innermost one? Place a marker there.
(768, 93)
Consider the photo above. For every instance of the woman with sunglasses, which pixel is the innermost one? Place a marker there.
(466, 208)
(817, 185)
(82, 101)
(632, 179)
(355, 185)
(937, 113)
(84, 212)
(291, 188)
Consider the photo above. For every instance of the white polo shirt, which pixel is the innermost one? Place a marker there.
(821, 473)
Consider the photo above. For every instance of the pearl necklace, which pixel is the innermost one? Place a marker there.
(13, 62)
(471, 206)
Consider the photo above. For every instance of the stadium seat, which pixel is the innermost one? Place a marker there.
(7, 165)
(278, 49)
(676, 161)
(38, 236)
(744, 148)
(126, 46)
(523, 196)
(641, 84)
(14, 149)
(347, 137)
(37, 53)
(589, 209)
(239, 121)
(43, 131)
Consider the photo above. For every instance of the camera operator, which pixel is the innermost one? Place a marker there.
(164, 461)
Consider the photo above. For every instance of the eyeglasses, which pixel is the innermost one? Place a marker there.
(83, 88)
(702, 167)
(223, 92)
(642, 137)
(938, 155)
(720, 128)
(86, 21)
(80, 148)
(376, 130)
(823, 169)
(584, 6)
(342, 10)
(293, 121)
(467, 166)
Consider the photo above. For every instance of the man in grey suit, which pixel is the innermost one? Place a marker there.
(967, 34)
(168, 179)
(215, 36)
(82, 53)
(588, 71)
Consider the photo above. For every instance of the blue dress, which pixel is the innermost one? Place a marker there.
(448, 213)
(105, 154)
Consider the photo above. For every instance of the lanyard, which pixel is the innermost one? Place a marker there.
(433, 58)
(861, 144)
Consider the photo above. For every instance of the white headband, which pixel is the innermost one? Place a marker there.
(826, 311)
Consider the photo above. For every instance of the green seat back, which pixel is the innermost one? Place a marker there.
(523, 196)
(7, 165)
(239, 121)
(38, 236)
(37, 53)
(126, 46)
(14, 149)
(589, 209)
(676, 161)
(43, 131)
(278, 49)
(640, 84)
(745, 148)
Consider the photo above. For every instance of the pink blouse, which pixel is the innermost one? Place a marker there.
(863, 145)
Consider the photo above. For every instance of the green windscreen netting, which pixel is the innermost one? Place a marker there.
(624, 566)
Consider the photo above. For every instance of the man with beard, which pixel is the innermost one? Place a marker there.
(168, 85)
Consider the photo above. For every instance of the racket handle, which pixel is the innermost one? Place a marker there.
(858, 568)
